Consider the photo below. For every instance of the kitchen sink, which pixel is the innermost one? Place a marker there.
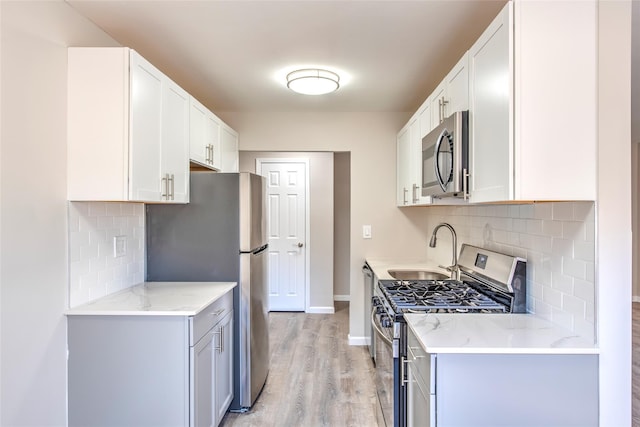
(417, 275)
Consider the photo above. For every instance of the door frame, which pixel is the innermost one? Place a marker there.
(307, 216)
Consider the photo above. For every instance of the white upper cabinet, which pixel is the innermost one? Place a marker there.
(229, 161)
(204, 146)
(409, 158)
(533, 104)
(452, 94)
(403, 154)
(128, 129)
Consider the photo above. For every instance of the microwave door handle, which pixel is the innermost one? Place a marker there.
(436, 164)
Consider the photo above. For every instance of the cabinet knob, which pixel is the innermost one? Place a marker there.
(300, 244)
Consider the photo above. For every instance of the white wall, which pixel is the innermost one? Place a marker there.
(613, 212)
(556, 239)
(33, 207)
(320, 218)
(94, 271)
(370, 138)
(342, 213)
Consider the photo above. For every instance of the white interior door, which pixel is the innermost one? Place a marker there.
(286, 219)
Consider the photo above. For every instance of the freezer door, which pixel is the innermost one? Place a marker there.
(253, 225)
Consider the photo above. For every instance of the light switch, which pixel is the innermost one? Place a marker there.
(366, 231)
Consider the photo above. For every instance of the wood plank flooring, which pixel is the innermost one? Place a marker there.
(635, 363)
(315, 377)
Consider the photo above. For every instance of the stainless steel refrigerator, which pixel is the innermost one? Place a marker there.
(221, 236)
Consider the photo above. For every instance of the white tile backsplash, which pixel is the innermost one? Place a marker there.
(94, 271)
(556, 238)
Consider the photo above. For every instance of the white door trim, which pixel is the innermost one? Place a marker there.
(307, 258)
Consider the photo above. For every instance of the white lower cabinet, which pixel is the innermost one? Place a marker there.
(151, 370)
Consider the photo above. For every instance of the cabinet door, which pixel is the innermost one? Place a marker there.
(203, 413)
(204, 136)
(224, 368)
(438, 104)
(175, 142)
(212, 138)
(418, 401)
(198, 147)
(415, 161)
(457, 87)
(490, 129)
(403, 148)
(228, 150)
(425, 120)
(145, 130)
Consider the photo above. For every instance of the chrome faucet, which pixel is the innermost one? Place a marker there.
(453, 268)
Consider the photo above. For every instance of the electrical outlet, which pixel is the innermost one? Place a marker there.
(119, 246)
(366, 231)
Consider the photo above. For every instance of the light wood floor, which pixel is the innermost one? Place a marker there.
(315, 377)
(635, 362)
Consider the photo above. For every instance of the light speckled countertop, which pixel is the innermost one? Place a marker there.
(484, 333)
(156, 299)
(467, 333)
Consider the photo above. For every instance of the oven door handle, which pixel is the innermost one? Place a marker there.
(377, 328)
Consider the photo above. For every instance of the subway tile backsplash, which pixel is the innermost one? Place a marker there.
(95, 269)
(556, 238)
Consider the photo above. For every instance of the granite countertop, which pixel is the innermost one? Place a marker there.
(380, 267)
(156, 299)
(466, 333)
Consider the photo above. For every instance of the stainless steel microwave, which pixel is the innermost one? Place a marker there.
(445, 158)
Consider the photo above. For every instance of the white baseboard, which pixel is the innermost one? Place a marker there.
(358, 340)
(342, 298)
(635, 299)
(321, 310)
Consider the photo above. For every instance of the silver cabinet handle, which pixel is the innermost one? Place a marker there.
(444, 109)
(404, 195)
(207, 157)
(219, 334)
(465, 183)
(165, 186)
(172, 183)
(218, 312)
(212, 160)
(415, 193)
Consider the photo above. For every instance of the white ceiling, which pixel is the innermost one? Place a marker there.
(227, 53)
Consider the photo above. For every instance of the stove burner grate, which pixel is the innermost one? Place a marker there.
(442, 296)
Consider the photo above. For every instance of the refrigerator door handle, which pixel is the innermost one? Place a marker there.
(260, 249)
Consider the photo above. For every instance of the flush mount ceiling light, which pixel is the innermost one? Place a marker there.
(313, 81)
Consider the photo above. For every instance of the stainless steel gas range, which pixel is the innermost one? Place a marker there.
(490, 282)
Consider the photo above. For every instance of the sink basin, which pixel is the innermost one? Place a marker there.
(417, 275)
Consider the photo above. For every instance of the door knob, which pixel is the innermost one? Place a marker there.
(300, 244)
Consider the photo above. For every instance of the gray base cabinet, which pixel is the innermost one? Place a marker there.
(447, 390)
(148, 370)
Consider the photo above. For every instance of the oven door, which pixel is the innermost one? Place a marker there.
(384, 368)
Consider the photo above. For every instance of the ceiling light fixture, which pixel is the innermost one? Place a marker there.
(313, 81)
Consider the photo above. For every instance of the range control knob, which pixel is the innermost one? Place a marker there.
(385, 321)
